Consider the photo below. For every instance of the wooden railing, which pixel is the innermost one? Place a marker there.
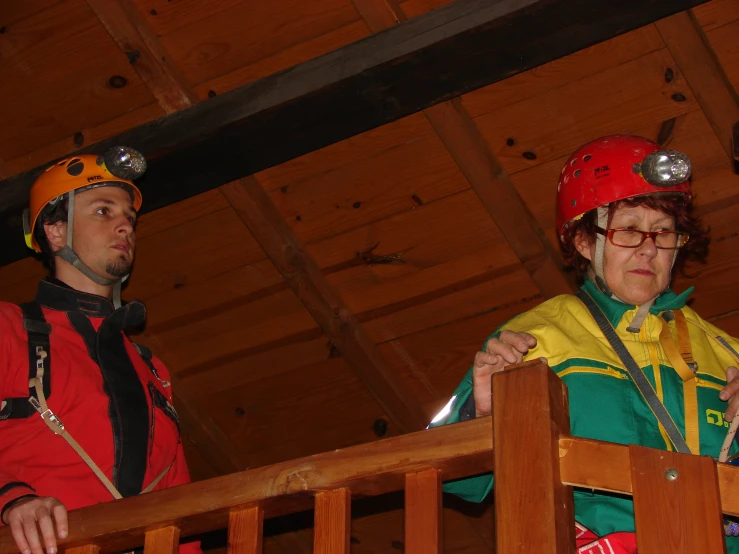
(536, 464)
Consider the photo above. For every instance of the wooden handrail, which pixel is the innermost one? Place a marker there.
(367, 470)
(372, 469)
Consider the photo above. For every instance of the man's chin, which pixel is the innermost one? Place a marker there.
(117, 269)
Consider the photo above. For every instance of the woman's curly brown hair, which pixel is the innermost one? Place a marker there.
(677, 206)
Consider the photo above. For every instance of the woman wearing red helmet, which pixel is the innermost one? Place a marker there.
(640, 365)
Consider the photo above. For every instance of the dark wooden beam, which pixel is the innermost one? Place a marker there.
(310, 285)
(4, 170)
(421, 62)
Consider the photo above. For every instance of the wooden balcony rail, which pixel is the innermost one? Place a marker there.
(536, 463)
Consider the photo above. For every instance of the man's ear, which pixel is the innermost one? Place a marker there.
(585, 245)
(56, 234)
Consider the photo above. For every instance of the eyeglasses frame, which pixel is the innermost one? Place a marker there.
(608, 233)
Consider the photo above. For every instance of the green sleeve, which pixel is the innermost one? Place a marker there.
(472, 489)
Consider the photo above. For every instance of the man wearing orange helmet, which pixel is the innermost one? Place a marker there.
(86, 415)
(640, 365)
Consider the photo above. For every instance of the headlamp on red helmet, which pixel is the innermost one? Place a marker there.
(665, 168)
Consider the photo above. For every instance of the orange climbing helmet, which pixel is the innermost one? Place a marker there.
(117, 167)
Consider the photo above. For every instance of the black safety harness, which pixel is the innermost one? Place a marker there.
(39, 390)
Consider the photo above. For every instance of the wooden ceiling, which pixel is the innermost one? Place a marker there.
(340, 296)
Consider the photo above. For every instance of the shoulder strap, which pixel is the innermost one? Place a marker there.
(38, 331)
(147, 356)
(640, 380)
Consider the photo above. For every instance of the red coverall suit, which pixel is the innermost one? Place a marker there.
(109, 399)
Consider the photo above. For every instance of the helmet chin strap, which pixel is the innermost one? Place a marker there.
(597, 274)
(70, 256)
(595, 271)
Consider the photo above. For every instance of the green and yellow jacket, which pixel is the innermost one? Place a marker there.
(604, 402)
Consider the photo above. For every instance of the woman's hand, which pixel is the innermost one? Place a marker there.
(508, 349)
(729, 393)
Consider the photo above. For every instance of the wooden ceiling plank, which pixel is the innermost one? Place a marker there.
(211, 442)
(284, 59)
(697, 61)
(380, 14)
(500, 197)
(305, 278)
(137, 41)
(42, 156)
(483, 171)
(414, 65)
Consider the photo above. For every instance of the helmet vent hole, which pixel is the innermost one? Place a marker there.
(75, 167)
(577, 173)
(574, 203)
(573, 162)
(586, 157)
(567, 179)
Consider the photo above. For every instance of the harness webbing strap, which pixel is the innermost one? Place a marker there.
(38, 331)
(636, 374)
(683, 340)
(677, 357)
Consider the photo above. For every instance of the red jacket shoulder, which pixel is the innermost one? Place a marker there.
(11, 318)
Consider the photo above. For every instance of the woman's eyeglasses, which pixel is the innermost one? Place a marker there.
(634, 238)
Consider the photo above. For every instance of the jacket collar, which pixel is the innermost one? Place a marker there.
(615, 309)
(57, 295)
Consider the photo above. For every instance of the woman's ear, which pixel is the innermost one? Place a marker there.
(585, 245)
(56, 234)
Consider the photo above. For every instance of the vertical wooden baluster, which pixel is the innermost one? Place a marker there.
(677, 505)
(162, 541)
(533, 509)
(423, 528)
(332, 522)
(87, 549)
(245, 531)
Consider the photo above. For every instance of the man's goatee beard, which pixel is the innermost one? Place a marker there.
(118, 268)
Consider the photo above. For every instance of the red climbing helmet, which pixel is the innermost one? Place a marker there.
(614, 168)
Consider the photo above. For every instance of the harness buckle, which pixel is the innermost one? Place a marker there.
(47, 415)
